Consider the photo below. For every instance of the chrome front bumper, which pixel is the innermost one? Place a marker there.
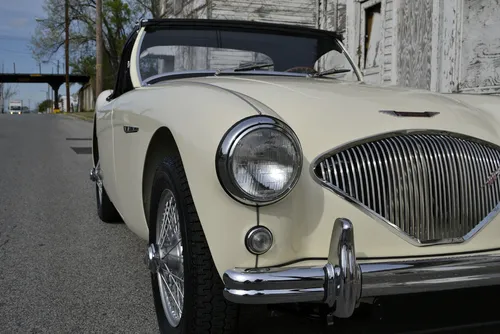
(342, 282)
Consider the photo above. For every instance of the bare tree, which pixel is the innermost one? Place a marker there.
(6, 93)
(10, 91)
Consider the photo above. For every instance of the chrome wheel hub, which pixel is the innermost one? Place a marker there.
(165, 258)
(153, 259)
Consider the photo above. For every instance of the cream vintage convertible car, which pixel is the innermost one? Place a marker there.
(262, 170)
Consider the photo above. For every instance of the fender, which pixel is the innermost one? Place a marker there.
(197, 125)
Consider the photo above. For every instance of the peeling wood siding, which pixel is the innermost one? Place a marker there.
(196, 9)
(388, 42)
(480, 60)
(302, 12)
(446, 43)
(332, 15)
(415, 43)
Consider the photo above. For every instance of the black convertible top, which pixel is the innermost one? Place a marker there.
(238, 25)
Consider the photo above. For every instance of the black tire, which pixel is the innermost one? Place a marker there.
(205, 309)
(105, 208)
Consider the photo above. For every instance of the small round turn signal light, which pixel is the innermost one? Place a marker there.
(259, 240)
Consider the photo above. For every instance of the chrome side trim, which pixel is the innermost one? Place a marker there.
(341, 283)
(470, 178)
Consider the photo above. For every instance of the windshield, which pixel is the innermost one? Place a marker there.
(167, 53)
(15, 107)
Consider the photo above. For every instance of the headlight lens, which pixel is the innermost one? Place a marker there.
(259, 161)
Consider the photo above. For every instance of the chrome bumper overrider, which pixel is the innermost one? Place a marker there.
(342, 282)
(94, 176)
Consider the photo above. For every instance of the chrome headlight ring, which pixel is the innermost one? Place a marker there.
(250, 157)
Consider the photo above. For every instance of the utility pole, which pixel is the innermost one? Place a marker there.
(99, 53)
(2, 102)
(66, 7)
(1, 97)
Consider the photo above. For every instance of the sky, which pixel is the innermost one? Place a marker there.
(17, 25)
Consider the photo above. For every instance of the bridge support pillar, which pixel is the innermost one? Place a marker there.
(55, 88)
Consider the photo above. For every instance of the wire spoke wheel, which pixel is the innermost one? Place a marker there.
(187, 288)
(171, 270)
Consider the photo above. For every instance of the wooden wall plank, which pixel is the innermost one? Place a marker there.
(415, 43)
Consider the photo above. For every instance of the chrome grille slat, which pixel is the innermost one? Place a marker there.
(427, 170)
(461, 187)
(349, 161)
(430, 186)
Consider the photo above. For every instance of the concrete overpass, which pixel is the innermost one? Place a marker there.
(54, 80)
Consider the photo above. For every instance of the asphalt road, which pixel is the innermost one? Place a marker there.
(61, 269)
(64, 271)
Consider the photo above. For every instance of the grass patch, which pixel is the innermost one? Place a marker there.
(86, 115)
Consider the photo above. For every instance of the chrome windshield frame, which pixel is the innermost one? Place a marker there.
(356, 69)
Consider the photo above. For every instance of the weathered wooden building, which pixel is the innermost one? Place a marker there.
(86, 98)
(440, 45)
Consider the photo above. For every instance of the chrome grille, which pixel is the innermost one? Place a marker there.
(432, 187)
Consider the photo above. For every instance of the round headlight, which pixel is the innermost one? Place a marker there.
(259, 160)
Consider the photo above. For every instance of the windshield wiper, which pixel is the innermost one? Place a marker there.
(246, 67)
(254, 66)
(330, 71)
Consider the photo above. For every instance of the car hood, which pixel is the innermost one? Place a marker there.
(326, 113)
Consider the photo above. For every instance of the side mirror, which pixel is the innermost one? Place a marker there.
(103, 99)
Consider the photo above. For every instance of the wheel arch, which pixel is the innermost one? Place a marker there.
(162, 144)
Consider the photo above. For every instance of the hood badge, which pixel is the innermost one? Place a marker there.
(396, 113)
(492, 178)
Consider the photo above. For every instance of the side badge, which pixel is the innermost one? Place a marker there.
(396, 113)
(130, 129)
(492, 178)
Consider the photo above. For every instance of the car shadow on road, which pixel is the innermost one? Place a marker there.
(465, 311)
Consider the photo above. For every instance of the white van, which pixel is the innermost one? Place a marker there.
(15, 107)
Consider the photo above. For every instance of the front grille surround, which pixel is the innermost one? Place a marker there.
(434, 158)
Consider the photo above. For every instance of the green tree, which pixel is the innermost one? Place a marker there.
(42, 107)
(49, 36)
